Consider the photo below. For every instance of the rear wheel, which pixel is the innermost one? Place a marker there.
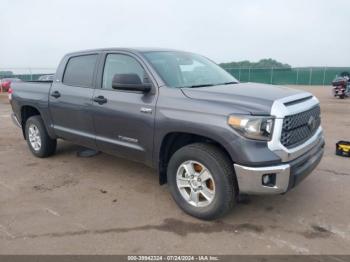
(38, 140)
(201, 180)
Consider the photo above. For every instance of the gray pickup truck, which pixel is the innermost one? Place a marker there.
(210, 137)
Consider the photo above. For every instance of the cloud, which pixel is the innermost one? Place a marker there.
(38, 33)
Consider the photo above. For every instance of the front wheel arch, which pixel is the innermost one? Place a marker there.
(174, 141)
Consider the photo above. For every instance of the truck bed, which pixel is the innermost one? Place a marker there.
(31, 89)
(32, 93)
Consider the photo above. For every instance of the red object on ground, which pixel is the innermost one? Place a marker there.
(6, 85)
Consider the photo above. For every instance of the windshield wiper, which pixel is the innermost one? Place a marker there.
(229, 83)
(203, 85)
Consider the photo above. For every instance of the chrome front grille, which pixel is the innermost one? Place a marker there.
(300, 127)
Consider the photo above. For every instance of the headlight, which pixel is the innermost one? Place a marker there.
(254, 127)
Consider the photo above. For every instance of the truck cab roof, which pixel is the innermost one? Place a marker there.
(125, 49)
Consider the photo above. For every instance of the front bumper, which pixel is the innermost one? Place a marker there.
(287, 175)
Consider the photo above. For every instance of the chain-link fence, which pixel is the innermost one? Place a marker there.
(277, 76)
(288, 76)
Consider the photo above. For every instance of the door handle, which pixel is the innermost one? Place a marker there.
(55, 94)
(100, 100)
(146, 110)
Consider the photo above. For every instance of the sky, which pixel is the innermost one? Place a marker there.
(37, 33)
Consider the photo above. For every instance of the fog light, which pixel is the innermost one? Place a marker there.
(265, 179)
(269, 180)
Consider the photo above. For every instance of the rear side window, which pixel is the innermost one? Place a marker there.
(80, 70)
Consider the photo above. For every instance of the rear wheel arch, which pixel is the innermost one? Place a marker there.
(27, 112)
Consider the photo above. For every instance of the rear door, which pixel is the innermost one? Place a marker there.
(70, 100)
(124, 123)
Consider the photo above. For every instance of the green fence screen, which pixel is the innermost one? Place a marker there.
(288, 76)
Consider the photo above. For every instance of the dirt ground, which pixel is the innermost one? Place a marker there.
(105, 205)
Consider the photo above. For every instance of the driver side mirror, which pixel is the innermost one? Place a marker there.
(129, 82)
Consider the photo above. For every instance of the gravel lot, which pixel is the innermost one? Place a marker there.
(105, 205)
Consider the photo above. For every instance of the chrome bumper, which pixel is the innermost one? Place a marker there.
(250, 179)
(287, 175)
(15, 120)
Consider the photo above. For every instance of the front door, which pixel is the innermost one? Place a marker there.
(124, 120)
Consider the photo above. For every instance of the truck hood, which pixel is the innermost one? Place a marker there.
(256, 99)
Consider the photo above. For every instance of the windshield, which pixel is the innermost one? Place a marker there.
(182, 69)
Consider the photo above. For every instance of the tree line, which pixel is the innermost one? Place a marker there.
(262, 63)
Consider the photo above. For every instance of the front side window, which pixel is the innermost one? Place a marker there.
(121, 64)
(80, 70)
(182, 69)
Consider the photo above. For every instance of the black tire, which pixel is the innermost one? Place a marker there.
(222, 171)
(342, 96)
(48, 145)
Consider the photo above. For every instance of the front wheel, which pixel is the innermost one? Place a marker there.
(38, 140)
(202, 181)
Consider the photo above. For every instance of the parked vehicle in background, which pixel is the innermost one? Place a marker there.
(6, 83)
(209, 136)
(46, 77)
(341, 85)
